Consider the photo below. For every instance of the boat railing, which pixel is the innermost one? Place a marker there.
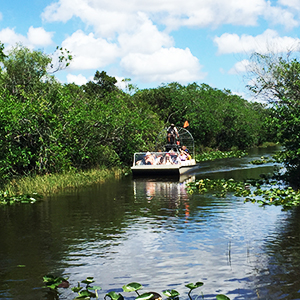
(156, 158)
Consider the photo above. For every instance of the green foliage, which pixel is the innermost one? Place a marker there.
(5, 198)
(2, 55)
(217, 118)
(114, 296)
(262, 191)
(101, 85)
(48, 127)
(171, 294)
(278, 79)
(213, 155)
(262, 161)
(193, 286)
(132, 287)
(86, 293)
(24, 70)
(222, 297)
(53, 283)
(144, 296)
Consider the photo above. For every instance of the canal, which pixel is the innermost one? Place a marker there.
(152, 232)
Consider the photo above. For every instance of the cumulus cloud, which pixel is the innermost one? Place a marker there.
(39, 36)
(294, 4)
(145, 38)
(283, 17)
(10, 37)
(110, 17)
(90, 52)
(164, 65)
(35, 37)
(138, 33)
(77, 79)
(268, 41)
(240, 67)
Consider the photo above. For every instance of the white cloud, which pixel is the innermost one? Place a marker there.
(110, 17)
(35, 37)
(59, 11)
(268, 41)
(295, 4)
(78, 79)
(164, 65)
(105, 19)
(278, 16)
(90, 52)
(39, 36)
(240, 67)
(138, 40)
(11, 38)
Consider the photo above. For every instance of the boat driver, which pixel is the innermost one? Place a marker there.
(172, 133)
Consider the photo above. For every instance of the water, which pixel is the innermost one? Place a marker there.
(154, 233)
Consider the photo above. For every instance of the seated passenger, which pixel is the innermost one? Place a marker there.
(159, 159)
(184, 148)
(173, 155)
(183, 155)
(149, 159)
(168, 159)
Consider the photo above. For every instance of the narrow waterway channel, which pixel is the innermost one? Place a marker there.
(152, 232)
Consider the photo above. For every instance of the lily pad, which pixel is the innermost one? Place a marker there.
(171, 293)
(145, 296)
(222, 297)
(114, 296)
(193, 286)
(132, 287)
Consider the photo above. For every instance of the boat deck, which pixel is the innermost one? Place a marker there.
(163, 163)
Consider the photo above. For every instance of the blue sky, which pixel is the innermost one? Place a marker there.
(153, 41)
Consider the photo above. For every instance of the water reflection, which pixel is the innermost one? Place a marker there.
(280, 261)
(153, 232)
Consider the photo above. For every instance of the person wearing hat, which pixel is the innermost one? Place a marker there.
(172, 133)
(149, 159)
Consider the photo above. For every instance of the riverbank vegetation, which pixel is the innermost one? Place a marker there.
(52, 128)
(277, 79)
(45, 185)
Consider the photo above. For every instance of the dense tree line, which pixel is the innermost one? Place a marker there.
(47, 126)
(217, 118)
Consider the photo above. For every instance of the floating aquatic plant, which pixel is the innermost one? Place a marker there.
(262, 191)
(213, 155)
(6, 199)
(54, 282)
(87, 292)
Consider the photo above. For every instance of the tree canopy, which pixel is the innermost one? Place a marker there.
(47, 126)
(278, 79)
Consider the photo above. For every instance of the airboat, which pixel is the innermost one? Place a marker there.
(166, 160)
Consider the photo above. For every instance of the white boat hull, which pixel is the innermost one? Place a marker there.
(176, 169)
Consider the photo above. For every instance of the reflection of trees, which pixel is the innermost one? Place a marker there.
(42, 236)
(278, 278)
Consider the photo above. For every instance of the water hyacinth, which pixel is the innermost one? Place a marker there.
(213, 155)
(261, 191)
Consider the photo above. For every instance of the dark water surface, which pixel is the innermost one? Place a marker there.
(152, 232)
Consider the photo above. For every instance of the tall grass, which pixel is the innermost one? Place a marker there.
(54, 183)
